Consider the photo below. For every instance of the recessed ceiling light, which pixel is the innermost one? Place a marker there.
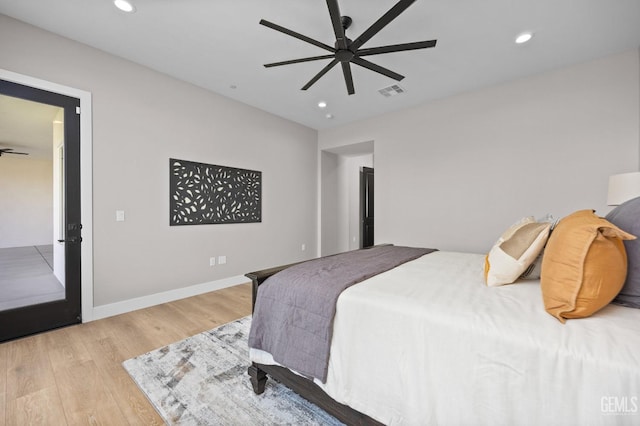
(124, 6)
(523, 38)
(322, 104)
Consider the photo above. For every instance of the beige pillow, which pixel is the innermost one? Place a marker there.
(515, 250)
(584, 265)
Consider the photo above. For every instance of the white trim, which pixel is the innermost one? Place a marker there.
(125, 306)
(86, 176)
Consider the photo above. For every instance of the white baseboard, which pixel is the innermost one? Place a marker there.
(125, 306)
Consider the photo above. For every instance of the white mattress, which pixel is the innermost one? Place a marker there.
(428, 343)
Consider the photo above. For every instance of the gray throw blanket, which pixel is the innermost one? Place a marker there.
(293, 316)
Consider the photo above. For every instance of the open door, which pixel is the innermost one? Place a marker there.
(366, 206)
(36, 316)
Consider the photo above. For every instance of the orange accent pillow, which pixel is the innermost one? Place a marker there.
(584, 265)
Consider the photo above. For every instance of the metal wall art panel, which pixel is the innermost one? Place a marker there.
(209, 194)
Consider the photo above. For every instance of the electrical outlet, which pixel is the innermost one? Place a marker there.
(222, 260)
(119, 215)
(303, 247)
(212, 261)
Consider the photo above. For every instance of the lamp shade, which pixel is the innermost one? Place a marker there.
(623, 187)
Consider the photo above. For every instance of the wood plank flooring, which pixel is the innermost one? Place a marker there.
(74, 375)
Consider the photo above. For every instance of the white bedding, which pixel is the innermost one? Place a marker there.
(428, 343)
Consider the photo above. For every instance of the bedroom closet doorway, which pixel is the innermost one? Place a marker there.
(40, 242)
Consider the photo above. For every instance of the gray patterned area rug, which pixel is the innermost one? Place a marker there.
(203, 380)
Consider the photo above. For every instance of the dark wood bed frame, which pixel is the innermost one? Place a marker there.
(302, 386)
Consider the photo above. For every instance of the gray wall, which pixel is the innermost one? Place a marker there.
(26, 196)
(330, 203)
(454, 173)
(142, 118)
(450, 174)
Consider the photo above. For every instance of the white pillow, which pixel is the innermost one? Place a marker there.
(534, 271)
(515, 250)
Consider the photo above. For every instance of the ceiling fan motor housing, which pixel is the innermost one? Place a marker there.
(346, 21)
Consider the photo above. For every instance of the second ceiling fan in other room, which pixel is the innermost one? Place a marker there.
(11, 151)
(346, 51)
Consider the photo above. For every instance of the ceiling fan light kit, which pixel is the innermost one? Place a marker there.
(346, 51)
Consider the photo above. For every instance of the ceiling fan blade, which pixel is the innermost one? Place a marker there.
(336, 21)
(320, 74)
(348, 78)
(296, 35)
(11, 151)
(381, 23)
(297, 61)
(377, 68)
(397, 48)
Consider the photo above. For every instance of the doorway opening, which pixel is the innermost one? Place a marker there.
(340, 196)
(366, 207)
(40, 246)
(30, 266)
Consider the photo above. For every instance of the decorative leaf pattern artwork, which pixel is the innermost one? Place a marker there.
(205, 194)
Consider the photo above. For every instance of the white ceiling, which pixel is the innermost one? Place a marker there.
(27, 126)
(219, 45)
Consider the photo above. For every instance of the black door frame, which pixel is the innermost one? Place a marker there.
(31, 319)
(366, 207)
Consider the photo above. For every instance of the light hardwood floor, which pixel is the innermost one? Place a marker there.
(74, 376)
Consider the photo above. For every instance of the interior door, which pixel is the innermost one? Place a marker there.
(366, 206)
(66, 310)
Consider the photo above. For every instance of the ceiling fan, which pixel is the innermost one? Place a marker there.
(10, 151)
(346, 51)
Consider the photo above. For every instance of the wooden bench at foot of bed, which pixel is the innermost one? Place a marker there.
(302, 386)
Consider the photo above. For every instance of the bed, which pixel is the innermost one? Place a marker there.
(429, 343)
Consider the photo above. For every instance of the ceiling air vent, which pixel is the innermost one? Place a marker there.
(393, 90)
